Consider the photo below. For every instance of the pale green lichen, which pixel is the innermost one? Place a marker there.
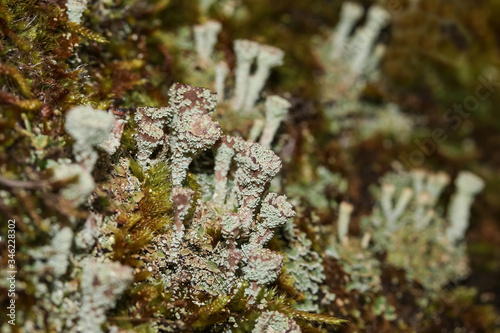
(413, 232)
(221, 72)
(306, 268)
(150, 135)
(55, 257)
(350, 13)
(362, 42)
(193, 130)
(276, 111)
(245, 52)
(345, 210)
(81, 183)
(89, 127)
(225, 153)
(262, 267)
(215, 253)
(241, 222)
(75, 9)
(101, 285)
(468, 186)
(267, 58)
(274, 322)
(205, 37)
(363, 268)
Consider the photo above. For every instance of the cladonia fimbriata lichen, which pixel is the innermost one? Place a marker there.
(245, 218)
(351, 12)
(411, 230)
(345, 210)
(363, 41)
(262, 267)
(205, 36)
(75, 9)
(223, 159)
(89, 127)
(256, 167)
(111, 144)
(146, 218)
(101, 285)
(468, 185)
(276, 111)
(221, 72)
(193, 130)
(305, 266)
(275, 211)
(81, 181)
(58, 253)
(150, 135)
(267, 58)
(245, 51)
(274, 322)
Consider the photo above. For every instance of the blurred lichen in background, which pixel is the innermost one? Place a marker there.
(249, 166)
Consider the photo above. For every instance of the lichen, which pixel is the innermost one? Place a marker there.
(144, 205)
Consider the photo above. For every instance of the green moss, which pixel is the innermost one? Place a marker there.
(150, 302)
(154, 212)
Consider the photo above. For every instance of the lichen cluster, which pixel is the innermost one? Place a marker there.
(172, 170)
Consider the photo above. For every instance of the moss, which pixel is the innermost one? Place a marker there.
(154, 213)
(126, 54)
(150, 301)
